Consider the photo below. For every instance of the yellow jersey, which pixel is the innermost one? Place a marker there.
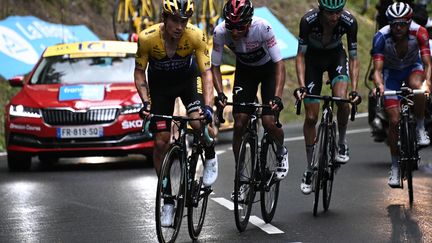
(151, 50)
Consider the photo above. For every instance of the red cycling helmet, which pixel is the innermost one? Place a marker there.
(238, 12)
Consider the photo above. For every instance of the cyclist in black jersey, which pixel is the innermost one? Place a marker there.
(320, 49)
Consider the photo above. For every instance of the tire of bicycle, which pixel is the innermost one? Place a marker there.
(412, 144)
(196, 211)
(126, 27)
(268, 195)
(330, 168)
(173, 167)
(319, 157)
(245, 175)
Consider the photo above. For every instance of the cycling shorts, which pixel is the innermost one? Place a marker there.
(334, 61)
(246, 81)
(393, 80)
(164, 89)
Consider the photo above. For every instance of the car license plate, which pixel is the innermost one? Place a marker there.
(79, 132)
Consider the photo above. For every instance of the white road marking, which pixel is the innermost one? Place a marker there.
(268, 228)
(224, 202)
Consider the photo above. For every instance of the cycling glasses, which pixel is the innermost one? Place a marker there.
(230, 27)
(399, 23)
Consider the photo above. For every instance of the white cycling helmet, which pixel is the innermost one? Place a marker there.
(399, 12)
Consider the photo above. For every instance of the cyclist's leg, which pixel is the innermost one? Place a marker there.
(415, 81)
(393, 81)
(314, 71)
(244, 90)
(268, 86)
(160, 128)
(338, 74)
(192, 97)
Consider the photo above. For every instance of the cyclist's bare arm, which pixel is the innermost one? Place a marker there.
(427, 69)
(280, 78)
(203, 59)
(217, 78)
(378, 68)
(300, 69)
(141, 84)
(207, 84)
(354, 66)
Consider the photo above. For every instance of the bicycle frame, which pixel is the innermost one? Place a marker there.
(407, 142)
(324, 163)
(191, 193)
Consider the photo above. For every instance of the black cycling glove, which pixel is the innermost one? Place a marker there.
(145, 108)
(207, 113)
(353, 94)
(301, 90)
(277, 101)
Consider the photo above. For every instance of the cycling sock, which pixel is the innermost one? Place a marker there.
(395, 160)
(342, 132)
(210, 152)
(309, 154)
(281, 150)
(420, 124)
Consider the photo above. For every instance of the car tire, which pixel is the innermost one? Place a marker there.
(18, 161)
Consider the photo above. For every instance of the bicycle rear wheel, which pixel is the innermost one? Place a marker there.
(171, 189)
(198, 195)
(269, 184)
(244, 182)
(319, 157)
(329, 168)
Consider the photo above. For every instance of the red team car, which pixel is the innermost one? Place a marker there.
(79, 100)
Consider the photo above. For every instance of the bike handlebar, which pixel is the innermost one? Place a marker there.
(219, 110)
(146, 125)
(328, 98)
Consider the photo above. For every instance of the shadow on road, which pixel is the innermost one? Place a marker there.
(404, 227)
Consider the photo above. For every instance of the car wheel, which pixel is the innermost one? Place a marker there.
(18, 161)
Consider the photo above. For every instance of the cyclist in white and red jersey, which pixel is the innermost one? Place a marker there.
(258, 61)
(401, 53)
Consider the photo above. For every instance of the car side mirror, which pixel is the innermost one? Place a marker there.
(16, 81)
(227, 69)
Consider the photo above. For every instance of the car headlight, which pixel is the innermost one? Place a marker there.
(130, 109)
(22, 111)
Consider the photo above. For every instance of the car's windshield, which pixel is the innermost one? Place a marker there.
(65, 70)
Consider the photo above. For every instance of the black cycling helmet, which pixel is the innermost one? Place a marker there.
(331, 5)
(181, 8)
(238, 12)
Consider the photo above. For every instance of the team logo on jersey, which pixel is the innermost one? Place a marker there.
(237, 89)
(339, 69)
(310, 87)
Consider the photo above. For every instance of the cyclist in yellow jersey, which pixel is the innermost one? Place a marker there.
(166, 50)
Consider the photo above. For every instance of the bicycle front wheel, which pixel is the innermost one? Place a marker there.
(269, 184)
(330, 167)
(122, 20)
(244, 189)
(407, 151)
(319, 157)
(198, 195)
(171, 189)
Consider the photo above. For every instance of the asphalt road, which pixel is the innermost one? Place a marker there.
(112, 200)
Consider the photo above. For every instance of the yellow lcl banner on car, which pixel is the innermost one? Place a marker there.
(92, 48)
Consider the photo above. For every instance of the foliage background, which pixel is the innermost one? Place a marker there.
(96, 14)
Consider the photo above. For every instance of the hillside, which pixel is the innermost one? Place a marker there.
(96, 14)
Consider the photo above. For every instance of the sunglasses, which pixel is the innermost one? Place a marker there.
(399, 23)
(231, 27)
